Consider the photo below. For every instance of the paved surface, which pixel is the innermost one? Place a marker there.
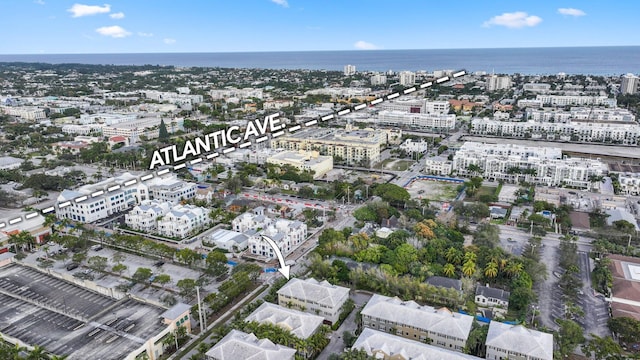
(595, 308)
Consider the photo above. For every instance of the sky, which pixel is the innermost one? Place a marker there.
(159, 26)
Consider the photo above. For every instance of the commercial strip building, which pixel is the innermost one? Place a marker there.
(314, 297)
(538, 165)
(304, 161)
(410, 320)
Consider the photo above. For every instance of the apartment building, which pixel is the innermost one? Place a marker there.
(218, 94)
(629, 84)
(513, 163)
(301, 324)
(304, 161)
(438, 165)
(576, 100)
(240, 345)
(314, 297)
(580, 114)
(144, 217)
(352, 145)
(30, 113)
(349, 70)
(149, 127)
(422, 121)
(182, 221)
(414, 146)
(627, 133)
(380, 345)
(536, 87)
(407, 78)
(174, 98)
(422, 106)
(410, 320)
(287, 234)
(495, 82)
(378, 79)
(506, 341)
(629, 184)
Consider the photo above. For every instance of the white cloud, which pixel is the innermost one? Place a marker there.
(571, 12)
(78, 10)
(169, 41)
(282, 3)
(39, 2)
(144, 34)
(514, 20)
(113, 31)
(363, 45)
(118, 15)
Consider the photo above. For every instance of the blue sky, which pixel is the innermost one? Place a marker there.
(134, 26)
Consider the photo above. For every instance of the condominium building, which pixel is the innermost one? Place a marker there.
(414, 146)
(576, 100)
(314, 297)
(514, 163)
(629, 184)
(378, 79)
(149, 127)
(287, 234)
(182, 221)
(407, 78)
(300, 324)
(351, 145)
(144, 217)
(304, 161)
(613, 115)
(438, 165)
(218, 94)
(495, 82)
(629, 84)
(239, 345)
(349, 70)
(174, 98)
(410, 320)
(30, 113)
(380, 345)
(506, 341)
(626, 133)
(435, 122)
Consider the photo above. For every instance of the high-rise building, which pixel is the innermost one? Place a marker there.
(407, 78)
(349, 70)
(495, 82)
(629, 84)
(378, 79)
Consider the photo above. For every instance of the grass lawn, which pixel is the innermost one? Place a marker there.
(402, 165)
(484, 190)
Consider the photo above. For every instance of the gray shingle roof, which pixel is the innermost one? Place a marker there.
(493, 293)
(321, 292)
(239, 345)
(445, 282)
(517, 338)
(299, 323)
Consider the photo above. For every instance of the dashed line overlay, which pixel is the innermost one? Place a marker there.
(291, 129)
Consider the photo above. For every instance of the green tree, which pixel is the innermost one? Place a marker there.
(626, 329)
(602, 348)
(163, 134)
(162, 279)
(98, 263)
(187, 287)
(449, 270)
(142, 275)
(119, 268)
(569, 336)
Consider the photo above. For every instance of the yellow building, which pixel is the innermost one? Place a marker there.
(304, 161)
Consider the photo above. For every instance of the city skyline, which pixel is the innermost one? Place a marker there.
(55, 27)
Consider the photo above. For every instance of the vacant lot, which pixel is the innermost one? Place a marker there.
(433, 190)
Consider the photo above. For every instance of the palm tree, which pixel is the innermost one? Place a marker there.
(469, 268)
(514, 268)
(474, 169)
(448, 270)
(491, 270)
(470, 256)
(453, 255)
(37, 353)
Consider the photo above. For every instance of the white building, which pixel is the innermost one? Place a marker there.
(300, 324)
(438, 165)
(629, 84)
(232, 241)
(495, 82)
(407, 78)
(378, 79)
(174, 98)
(381, 345)
(287, 234)
(172, 190)
(410, 320)
(144, 217)
(10, 163)
(537, 87)
(304, 161)
(514, 163)
(492, 297)
(349, 70)
(239, 345)
(576, 100)
(30, 113)
(314, 297)
(421, 121)
(149, 127)
(411, 146)
(183, 220)
(517, 342)
(629, 184)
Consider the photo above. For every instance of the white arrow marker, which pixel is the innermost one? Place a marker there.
(284, 269)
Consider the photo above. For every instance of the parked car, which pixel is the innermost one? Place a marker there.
(158, 263)
(72, 266)
(96, 247)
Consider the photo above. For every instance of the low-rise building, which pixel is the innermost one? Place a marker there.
(438, 165)
(287, 234)
(506, 341)
(10, 163)
(304, 161)
(183, 220)
(239, 345)
(314, 297)
(172, 190)
(144, 217)
(508, 193)
(492, 297)
(433, 121)
(410, 320)
(301, 324)
(231, 241)
(381, 345)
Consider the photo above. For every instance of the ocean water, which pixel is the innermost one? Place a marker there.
(528, 61)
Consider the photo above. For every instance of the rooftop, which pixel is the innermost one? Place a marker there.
(493, 293)
(321, 292)
(519, 339)
(239, 345)
(445, 282)
(299, 323)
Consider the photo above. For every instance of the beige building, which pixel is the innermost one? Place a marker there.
(312, 296)
(304, 161)
(351, 145)
(410, 320)
(301, 324)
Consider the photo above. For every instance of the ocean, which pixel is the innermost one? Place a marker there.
(527, 61)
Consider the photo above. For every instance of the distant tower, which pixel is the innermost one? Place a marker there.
(407, 78)
(378, 79)
(629, 84)
(495, 82)
(349, 70)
